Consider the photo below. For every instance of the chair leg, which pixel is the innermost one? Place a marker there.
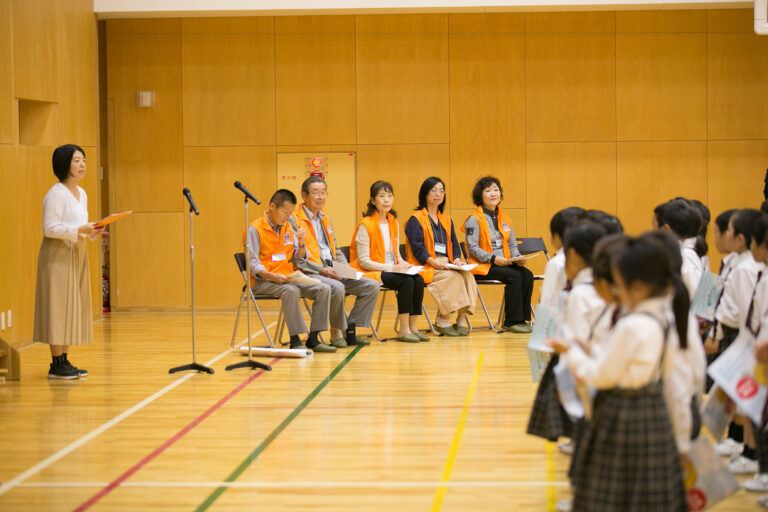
(485, 309)
(426, 315)
(501, 312)
(279, 328)
(243, 298)
(261, 319)
(381, 309)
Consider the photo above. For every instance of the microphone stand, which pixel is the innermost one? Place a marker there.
(249, 363)
(194, 364)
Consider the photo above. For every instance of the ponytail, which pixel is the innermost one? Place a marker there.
(681, 304)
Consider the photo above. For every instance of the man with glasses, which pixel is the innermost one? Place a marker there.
(322, 251)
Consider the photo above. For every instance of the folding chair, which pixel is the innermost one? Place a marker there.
(491, 326)
(530, 246)
(240, 260)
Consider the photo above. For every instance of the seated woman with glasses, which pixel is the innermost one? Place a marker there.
(431, 241)
(491, 243)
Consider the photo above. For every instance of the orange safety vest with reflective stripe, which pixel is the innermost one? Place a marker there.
(505, 227)
(275, 250)
(371, 223)
(313, 247)
(429, 242)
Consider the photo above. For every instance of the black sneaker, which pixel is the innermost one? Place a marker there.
(62, 371)
(80, 373)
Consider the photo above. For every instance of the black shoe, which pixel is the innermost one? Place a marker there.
(61, 371)
(80, 372)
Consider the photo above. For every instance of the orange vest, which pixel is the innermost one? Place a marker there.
(313, 247)
(371, 223)
(505, 227)
(275, 250)
(429, 242)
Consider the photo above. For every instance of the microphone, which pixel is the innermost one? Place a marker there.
(244, 190)
(192, 206)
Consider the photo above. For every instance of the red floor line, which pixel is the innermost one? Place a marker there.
(168, 443)
(352, 408)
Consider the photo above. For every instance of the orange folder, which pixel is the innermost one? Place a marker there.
(111, 218)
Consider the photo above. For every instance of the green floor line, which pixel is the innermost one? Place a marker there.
(271, 437)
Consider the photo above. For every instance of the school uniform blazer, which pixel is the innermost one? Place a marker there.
(630, 357)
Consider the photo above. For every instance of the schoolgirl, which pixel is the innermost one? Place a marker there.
(554, 272)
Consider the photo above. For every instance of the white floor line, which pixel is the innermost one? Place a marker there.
(10, 484)
(314, 484)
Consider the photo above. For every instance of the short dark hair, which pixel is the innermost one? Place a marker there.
(482, 184)
(760, 230)
(377, 187)
(428, 184)
(764, 206)
(610, 223)
(62, 159)
(603, 253)
(722, 220)
(743, 223)
(282, 196)
(582, 236)
(681, 216)
(562, 219)
(309, 181)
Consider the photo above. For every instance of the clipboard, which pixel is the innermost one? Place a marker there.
(109, 219)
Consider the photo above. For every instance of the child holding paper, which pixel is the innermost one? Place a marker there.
(554, 273)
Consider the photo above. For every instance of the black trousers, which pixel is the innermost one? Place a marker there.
(410, 291)
(518, 287)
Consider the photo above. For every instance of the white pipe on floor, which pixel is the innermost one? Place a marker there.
(761, 10)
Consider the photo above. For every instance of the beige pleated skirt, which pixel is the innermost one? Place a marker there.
(63, 296)
(453, 290)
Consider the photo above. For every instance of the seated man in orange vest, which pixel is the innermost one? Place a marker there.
(274, 247)
(322, 251)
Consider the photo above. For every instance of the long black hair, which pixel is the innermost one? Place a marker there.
(681, 302)
(603, 253)
(377, 187)
(428, 185)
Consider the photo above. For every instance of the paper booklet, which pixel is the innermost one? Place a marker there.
(109, 219)
(705, 299)
(346, 271)
(414, 270)
(301, 278)
(524, 257)
(466, 267)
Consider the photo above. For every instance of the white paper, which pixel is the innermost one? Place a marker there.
(707, 294)
(346, 271)
(734, 372)
(707, 480)
(466, 266)
(566, 388)
(301, 278)
(546, 326)
(717, 412)
(524, 257)
(414, 270)
(538, 361)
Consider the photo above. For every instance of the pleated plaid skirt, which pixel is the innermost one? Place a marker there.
(627, 460)
(548, 418)
(761, 441)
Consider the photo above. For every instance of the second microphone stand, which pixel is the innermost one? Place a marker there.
(249, 363)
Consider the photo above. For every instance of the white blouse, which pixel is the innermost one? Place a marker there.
(692, 265)
(63, 214)
(389, 258)
(738, 286)
(583, 305)
(554, 279)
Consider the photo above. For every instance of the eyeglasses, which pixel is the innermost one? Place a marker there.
(437, 191)
(319, 194)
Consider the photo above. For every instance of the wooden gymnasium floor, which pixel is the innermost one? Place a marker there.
(390, 426)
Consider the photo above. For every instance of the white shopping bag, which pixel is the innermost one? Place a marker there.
(707, 294)
(717, 411)
(707, 480)
(734, 371)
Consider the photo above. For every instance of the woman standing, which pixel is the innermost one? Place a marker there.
(63, 297)
(491, 243)
(432, 242)
(375, 251)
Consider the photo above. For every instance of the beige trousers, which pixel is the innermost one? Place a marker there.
(453, 290)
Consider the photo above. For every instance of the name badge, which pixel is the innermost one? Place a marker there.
(440, 248)
(278, 257)
(497, 243)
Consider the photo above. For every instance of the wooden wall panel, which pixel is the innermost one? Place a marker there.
(344, 24)
(148, 156)
(568, 174)
(736, 173)
(406, 167)
(488, 114)
(150, 255)
(7, 119)
(547, 22)
(315, 89)
(209, 174)
(35, 36)
(486, 23)
(77, 73)
(229, 25)
(92, 186)
(738, 74)
(9, 217)
(661, 21)
(730, 20)
(650, 173)
(402, 88)
(144, 26)
(402, 24)
(228, 82)
(661, 86)
(570, 87)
